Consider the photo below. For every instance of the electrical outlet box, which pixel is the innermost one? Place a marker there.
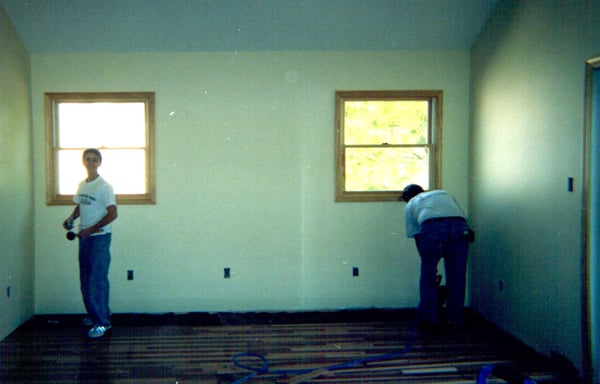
(130, 274)
(355, 271)
(226, 273)
(8, 291)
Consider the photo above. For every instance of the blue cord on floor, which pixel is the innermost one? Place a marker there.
(486, 370)
(264, 369)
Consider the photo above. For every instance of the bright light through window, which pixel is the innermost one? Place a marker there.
(106, 125)
(120, 125)
(124, 169)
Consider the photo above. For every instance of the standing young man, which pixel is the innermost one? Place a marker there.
(438, 225)
(97, 208)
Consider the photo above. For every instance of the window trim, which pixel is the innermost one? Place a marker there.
(51, 100)
(435, 117)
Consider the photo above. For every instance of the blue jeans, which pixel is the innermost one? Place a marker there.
(94, 261)
(443, 238)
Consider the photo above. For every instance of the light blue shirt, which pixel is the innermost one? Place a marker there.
(429, 205)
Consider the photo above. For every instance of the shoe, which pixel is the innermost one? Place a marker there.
(87, 322)
(98, 331)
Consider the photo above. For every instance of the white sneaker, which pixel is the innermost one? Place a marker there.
(98, 331)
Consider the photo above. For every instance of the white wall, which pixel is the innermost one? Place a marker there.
(245, 179)
(16, 182)
(527, 139)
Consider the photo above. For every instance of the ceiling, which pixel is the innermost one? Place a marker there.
(47, 26)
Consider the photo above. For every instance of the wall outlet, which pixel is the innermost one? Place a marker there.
(355, 271)
(130, 274)
(8, 291)
(226, 273)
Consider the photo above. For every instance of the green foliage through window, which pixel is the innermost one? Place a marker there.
(386, 140)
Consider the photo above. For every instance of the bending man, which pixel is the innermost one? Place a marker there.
(438, 225)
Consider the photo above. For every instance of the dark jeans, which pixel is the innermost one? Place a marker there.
(94, 261)
(443, 238)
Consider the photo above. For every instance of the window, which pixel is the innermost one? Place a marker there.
(386, 140)
(121, 125)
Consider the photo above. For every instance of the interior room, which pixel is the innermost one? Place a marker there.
(244, 157)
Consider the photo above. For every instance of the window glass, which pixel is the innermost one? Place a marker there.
(120, 125)
(384, 141)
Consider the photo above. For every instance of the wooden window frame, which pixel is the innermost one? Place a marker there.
(435, 99)
(51, 101)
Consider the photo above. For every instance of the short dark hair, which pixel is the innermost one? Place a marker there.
(411, 191)
(94, 151)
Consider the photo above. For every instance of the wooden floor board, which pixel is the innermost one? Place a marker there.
(317, 348)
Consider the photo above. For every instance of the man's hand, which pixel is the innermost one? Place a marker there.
(85, 233)
(68, 224)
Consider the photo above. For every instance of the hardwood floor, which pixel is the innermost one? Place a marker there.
(371, 346)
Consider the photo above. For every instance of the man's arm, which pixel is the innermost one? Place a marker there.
(111, 215)
(71, 218)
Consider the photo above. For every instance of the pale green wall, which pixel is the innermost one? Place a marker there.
(527, 139)
(16, 181)
(245, 179)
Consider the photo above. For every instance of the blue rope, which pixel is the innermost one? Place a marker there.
(264, 367)
(264, 364)
(485, 371)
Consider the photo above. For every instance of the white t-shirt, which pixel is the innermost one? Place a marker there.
(93, 198)
(429, 205)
